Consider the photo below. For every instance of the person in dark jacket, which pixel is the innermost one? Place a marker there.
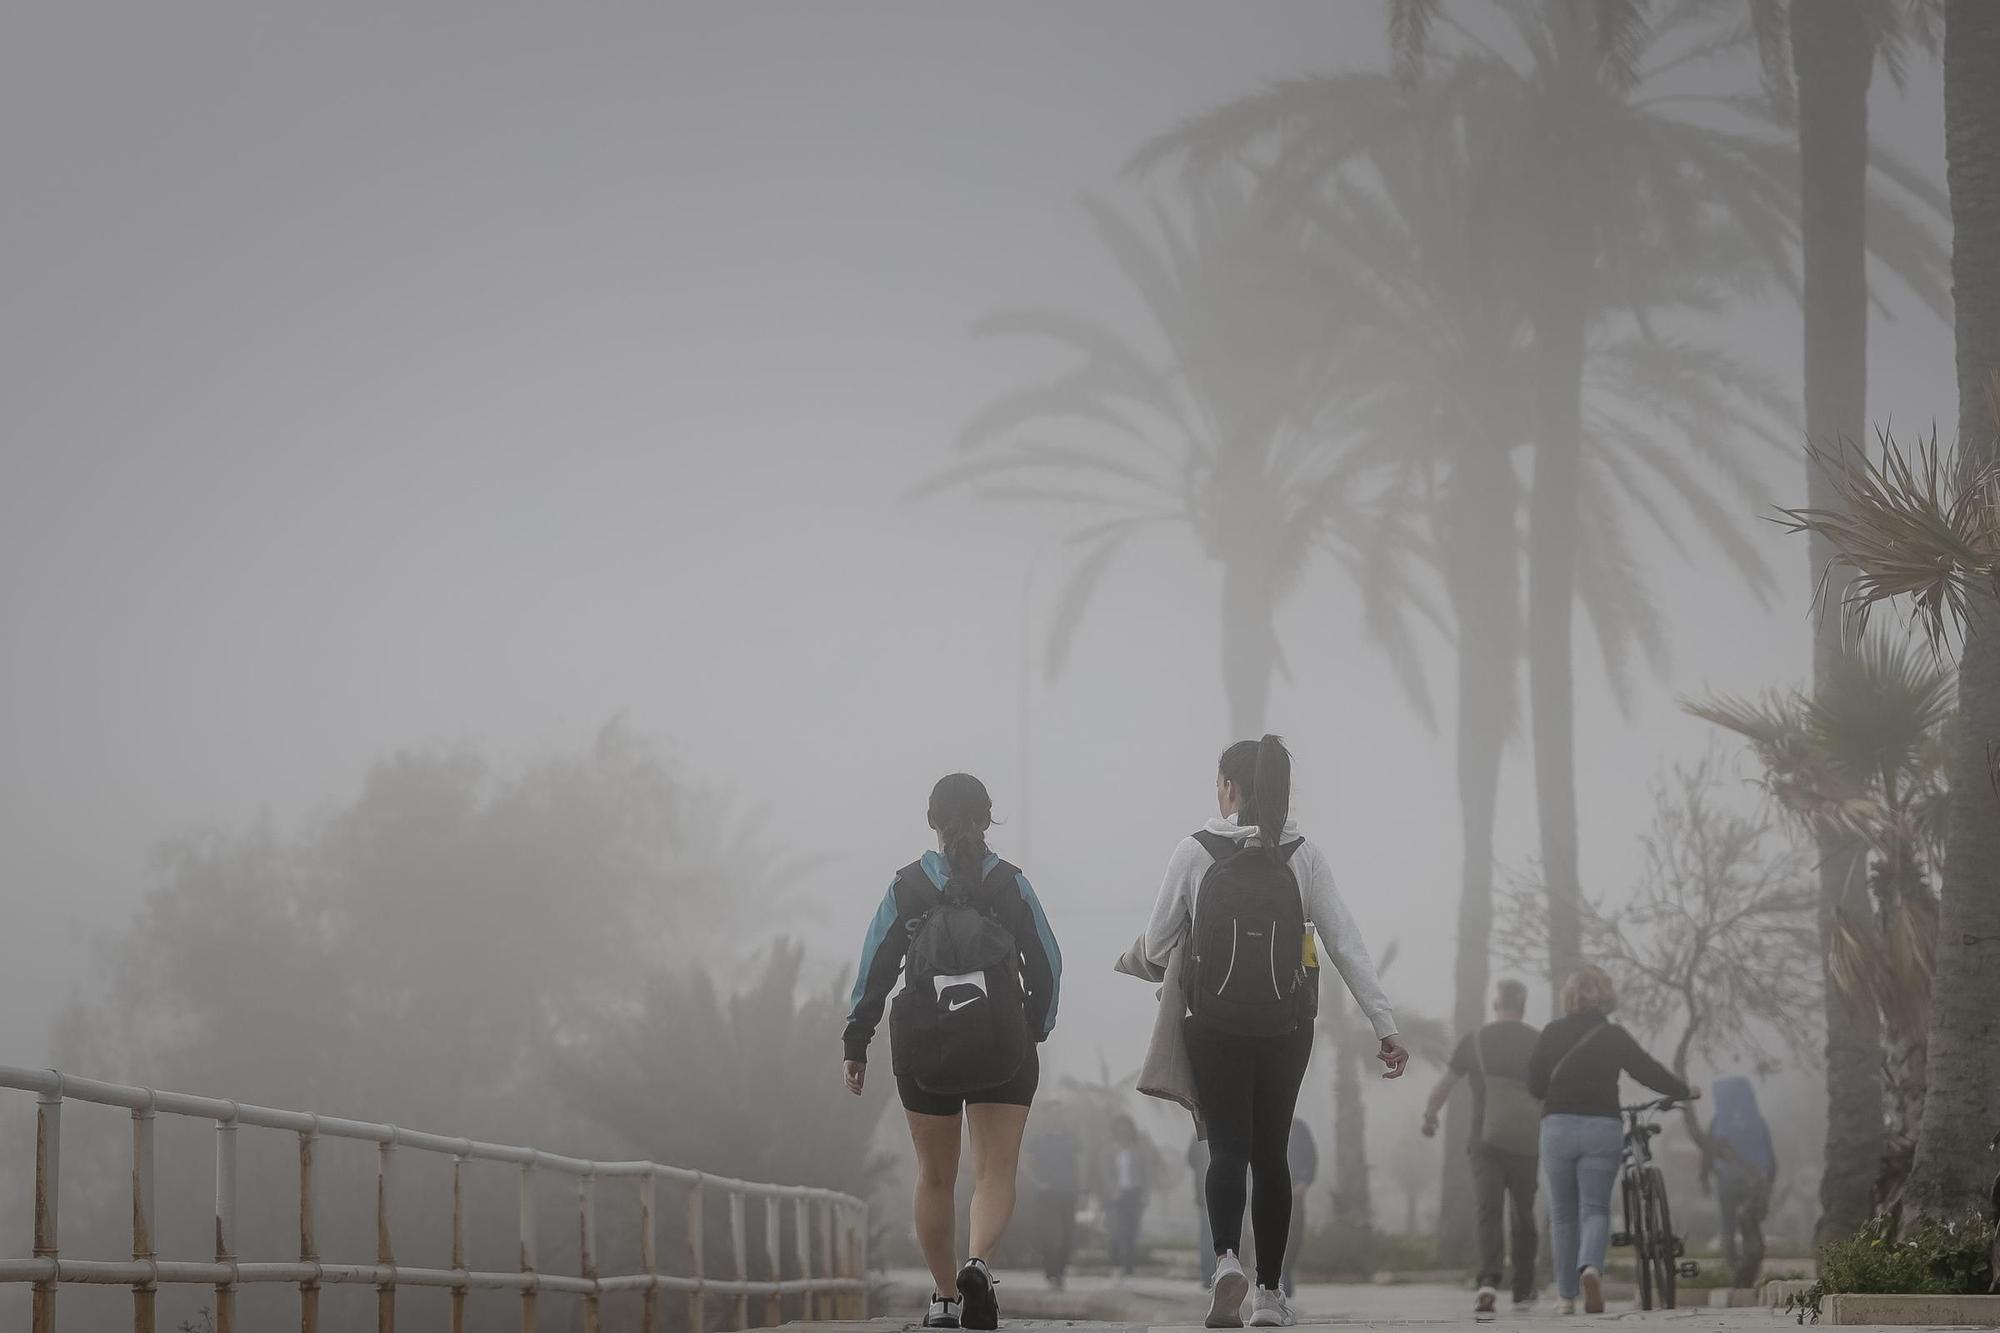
(1744, 1165)
(961, 812)
(1574, 1072)
(1501, 1150)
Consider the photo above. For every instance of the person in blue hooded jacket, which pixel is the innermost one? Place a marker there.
(1744, 1166)
(995, 1117)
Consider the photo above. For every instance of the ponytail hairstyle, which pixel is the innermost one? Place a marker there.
(1262, 771)
(961, 812)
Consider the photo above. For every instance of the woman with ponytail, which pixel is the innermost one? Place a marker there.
(1247, 894)
(982, 974)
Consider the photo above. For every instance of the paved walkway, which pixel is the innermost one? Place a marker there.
(1165, 1304)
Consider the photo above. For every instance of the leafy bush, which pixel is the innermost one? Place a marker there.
(1934, 1259)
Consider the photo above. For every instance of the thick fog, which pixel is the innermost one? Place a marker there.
(382, 376)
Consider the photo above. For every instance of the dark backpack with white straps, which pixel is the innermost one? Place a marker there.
(1248, 973)
(960, 1023)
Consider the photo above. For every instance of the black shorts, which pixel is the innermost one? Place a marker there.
(1017, 1091)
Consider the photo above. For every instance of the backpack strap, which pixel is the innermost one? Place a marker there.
(1218, 847)
(913, 881)
(998, 879)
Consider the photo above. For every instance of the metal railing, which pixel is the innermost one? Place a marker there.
(829, 1228)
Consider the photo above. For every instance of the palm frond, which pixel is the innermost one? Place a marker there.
(1909, 525)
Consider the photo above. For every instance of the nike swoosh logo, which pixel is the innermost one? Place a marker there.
(957, 1005)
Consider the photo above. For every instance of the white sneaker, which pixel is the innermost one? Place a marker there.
(1593, 1291)
(1272, 1310)
(1486, 1300)
(1565, 1307)
(943, 1313)
(1225, 1302)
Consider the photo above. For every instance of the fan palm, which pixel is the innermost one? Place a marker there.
(1864, 757)
(1219, 433)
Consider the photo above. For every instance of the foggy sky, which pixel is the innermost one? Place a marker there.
(381, 375)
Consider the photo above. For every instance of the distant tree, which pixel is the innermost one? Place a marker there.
(1864, 756)
(1220, 431)
(1715, 949)
(672, 1078)
(1354, 1045)
(416, 955)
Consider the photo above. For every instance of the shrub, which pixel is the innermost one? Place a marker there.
(1933, 1259)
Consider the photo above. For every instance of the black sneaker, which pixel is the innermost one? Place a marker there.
(944, 1313)
(975, 1294)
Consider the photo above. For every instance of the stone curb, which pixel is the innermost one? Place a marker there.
(1944, 1311)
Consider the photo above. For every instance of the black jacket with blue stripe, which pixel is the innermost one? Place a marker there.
(906, 904)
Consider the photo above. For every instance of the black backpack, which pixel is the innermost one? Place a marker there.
(960, 1023)
(1248, 973)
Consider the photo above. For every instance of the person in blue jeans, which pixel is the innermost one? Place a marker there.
(1574, 1071)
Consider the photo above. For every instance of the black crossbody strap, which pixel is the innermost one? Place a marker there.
(1581, 1042)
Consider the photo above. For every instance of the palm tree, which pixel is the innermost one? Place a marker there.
(1819, 60)
(1438, 342)
(1863, 756)
(1585, 175)
(1337, 138)
(1220, 434)
(1962, 1106)
(1353, 1042)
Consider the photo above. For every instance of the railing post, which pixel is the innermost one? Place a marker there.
(802, 1248)
(740, 1251)
(48, 1190)
(528, 1246)
(649, 1252)
(826, 1216)
(225, 1221)
(857, 1263)
(142, 1213)
(697, 1242)
(385, 1251)
(308, 1232)
(458, 1288)
(586, 1207)
(774, 1224)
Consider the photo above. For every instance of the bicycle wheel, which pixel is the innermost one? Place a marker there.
(1660, 1225)
(1637, 1218)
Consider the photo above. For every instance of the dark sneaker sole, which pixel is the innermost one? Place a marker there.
(1593, 1293)
(979, 1308)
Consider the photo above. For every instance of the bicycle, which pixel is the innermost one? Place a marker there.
(1649, 1221)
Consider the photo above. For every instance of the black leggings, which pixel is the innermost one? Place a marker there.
(1249, 1091)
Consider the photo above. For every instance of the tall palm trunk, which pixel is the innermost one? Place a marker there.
(1485, 594)
(1353, 1202)
(1552, 553)
(1832, 61)
(1962, 1104)
(1249, 644)
(1560, 316)
(1906, 921)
